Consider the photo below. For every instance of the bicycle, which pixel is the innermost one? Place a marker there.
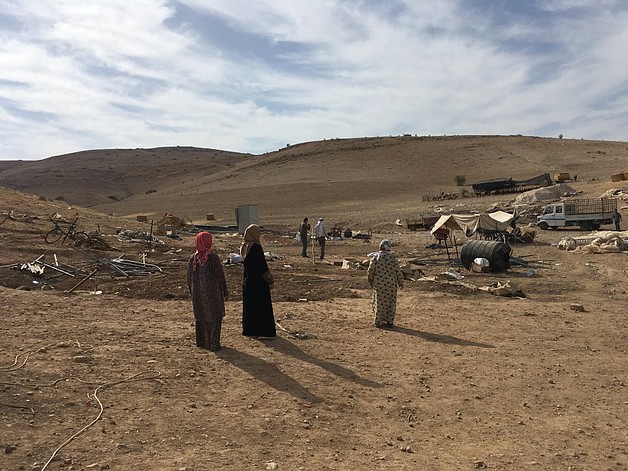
(58, 233)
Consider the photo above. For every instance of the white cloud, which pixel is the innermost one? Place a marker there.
(253, 76)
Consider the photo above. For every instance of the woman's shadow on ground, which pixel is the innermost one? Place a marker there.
(440, 338)
(267, 373)
(271, 375)
(289, 348)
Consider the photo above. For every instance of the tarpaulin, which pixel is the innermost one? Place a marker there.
(470, 223)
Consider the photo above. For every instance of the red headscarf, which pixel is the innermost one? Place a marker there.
(203, 243)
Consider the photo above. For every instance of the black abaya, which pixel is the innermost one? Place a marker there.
(257, 308)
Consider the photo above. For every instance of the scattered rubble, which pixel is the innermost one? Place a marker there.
(137, 236)
(621, 193)
(546, 194)
(45, 273)
(170, 219)
(411, 272)
(598, 242)
(354, 263)
(6, 215)
(507, 289)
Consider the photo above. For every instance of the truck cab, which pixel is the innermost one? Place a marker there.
(553, 216)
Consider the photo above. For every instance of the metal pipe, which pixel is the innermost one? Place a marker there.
(81, 282)
(52, 267)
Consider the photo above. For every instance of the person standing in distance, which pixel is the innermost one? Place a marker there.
(616, 217)
(321, 235)
(304, 231)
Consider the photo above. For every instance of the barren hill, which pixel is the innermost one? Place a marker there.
(349, 179)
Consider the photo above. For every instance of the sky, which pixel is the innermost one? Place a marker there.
(256, 75)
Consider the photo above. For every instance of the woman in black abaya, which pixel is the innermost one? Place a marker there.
(257, 308)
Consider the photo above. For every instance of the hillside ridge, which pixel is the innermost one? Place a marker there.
(334, 175)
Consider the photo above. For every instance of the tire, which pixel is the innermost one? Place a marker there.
(586, 226)
(81, 239)
(543, 225)
(53, 235)
(596, 226)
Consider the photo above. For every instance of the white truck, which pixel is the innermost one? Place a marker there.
(588, 213)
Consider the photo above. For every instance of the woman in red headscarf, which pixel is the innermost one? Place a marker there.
(208, 287)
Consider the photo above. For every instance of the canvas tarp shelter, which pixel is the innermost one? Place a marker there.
(508, 184)
(470, 223)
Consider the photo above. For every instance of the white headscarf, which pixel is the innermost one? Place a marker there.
(384, 247)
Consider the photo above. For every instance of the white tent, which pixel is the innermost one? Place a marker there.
(470, 223)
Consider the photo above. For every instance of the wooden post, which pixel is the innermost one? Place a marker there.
(312, 233)
(150, 240)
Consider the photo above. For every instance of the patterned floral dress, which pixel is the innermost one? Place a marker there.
(208, 288)
(385, 277)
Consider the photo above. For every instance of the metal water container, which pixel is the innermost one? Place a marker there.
(246, 215)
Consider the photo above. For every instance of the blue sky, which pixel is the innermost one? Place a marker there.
(253, 76)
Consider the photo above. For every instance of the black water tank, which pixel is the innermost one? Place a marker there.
(497, 253)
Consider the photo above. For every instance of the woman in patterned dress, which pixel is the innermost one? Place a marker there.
(208, 287)
(385, 277)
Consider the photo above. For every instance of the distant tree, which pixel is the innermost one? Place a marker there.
(560, 136)
(460, 180)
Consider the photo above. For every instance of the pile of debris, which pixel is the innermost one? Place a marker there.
(94, 241)
(600, 242)
(619, 193)
(355, 264)
(46, 274)
(549, 193)
(171, 220)
(411, 272)
(137, 236)
(5, 215)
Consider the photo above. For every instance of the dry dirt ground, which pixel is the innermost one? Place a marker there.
(109, 377)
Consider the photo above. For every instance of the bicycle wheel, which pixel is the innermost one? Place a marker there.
(81, 239)
(53, 235)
